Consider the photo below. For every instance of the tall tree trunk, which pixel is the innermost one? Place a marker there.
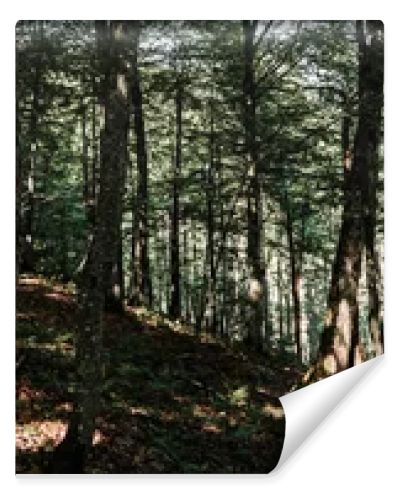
(256, 272)
(72, 453)
(84, 158)
(94, 168)
(223, 246)
(288, 317)
(372, 61)
(212, 284)
(141, 292)
(175, 304)
(19, 174)
(295, 273)
(114, 296)
(280, 296)
(28, 256)
(341, 334)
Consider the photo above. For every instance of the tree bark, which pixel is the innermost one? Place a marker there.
(141, 289)
(72, 453)
(85, 159)
(212, 285)
(27, 253)
(372, 62)
(340, 338)
(94, 171)
(256, 272)
(19, 173)
(295, 273)
(280, 296)
(175, 304)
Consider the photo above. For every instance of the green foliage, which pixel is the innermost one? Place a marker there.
(305, 84)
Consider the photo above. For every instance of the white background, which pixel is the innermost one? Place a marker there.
(355, 452)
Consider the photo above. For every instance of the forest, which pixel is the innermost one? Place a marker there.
(199, 230)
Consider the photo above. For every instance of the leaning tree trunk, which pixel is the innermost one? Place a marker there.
(72, 453)
(340, 337)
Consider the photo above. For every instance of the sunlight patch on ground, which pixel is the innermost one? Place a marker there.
(139, 411)
(30, 343)
(59, 296)
(98, 437)
(31, 280)
(212, 428)
(36, 435)
(273, 411)
(46, 434)
(28, 281)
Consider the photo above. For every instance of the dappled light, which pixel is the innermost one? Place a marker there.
(187, 394)
(199, 230)
(37, 435)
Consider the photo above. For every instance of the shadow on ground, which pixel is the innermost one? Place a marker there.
(171, 402)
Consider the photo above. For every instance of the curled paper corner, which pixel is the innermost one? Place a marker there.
(305, 409)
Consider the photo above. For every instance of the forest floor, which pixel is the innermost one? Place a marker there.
(171, 402)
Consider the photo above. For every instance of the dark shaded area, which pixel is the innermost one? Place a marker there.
(170, 402)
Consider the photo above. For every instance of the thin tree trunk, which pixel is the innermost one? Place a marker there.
(288, 317)
(295, 283)
(94, 173)
(223, 238)
(212, 285)
(186, 240)
(141, 292)
(85, 159)
(28, 256)
(19, 174)
(280, 297)
(175, 304)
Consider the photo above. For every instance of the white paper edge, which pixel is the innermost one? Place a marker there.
(308, 407)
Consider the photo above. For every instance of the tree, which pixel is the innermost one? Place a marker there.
(255, 209)
(72, 453)
(243, 161)
(27, 155)
(175, 304)
(340, 339)
(141, 290)
(295, 256)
